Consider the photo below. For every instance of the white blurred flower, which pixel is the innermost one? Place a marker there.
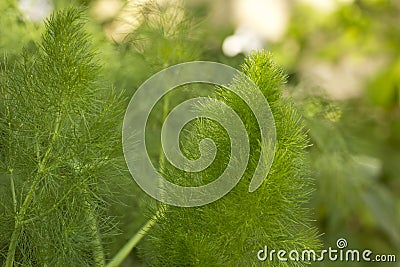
(35, 10)
(106, 9)
(243, 41)
(258, 21)
(268, 18)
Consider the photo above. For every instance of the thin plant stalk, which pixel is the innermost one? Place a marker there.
(98, 252)
(20, 216)
(127, 248)
(132, 243)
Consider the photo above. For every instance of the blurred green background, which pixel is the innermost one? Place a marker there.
(343, 63)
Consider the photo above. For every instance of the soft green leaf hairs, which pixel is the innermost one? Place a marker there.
(59, 151)
(232, 230)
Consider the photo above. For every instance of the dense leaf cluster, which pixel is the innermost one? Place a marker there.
(60, 149)
(60, 156)
(230, 231)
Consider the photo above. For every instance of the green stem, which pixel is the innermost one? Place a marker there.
(20, 215)
(12, 185)
(98, 252)
(127, 248)
(15, 234)
(13, 245)
(10, 161)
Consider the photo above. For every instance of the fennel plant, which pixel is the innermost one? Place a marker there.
(231, 231)
(60, 151)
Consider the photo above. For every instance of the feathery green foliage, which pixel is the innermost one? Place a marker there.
(60, 149)
(166, 34)
(16, 31)
(173, 27)
(230, 231)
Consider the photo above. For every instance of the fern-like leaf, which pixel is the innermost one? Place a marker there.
(230, 231)
(60, 148)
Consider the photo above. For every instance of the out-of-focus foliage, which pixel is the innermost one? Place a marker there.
(354, 199)
(356, 38)
(344, 67)
(16, 32)
(351, 55)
